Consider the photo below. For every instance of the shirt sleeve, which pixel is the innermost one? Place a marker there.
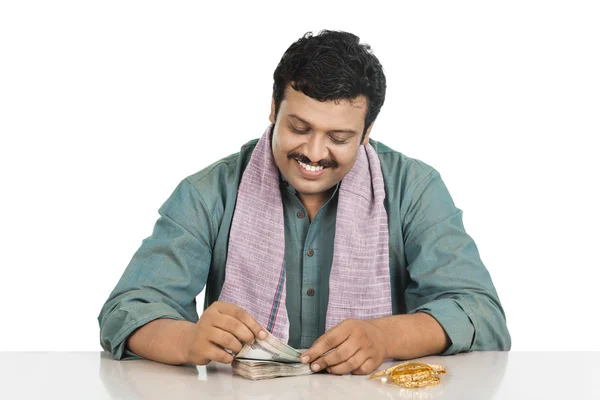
(165, 275)
(447, 277)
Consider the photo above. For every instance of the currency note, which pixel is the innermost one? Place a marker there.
(269, 349)
(257, 370)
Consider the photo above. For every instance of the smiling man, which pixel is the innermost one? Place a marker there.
(329, 240)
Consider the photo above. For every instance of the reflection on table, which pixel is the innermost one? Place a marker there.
(480, 375)
(142, 379)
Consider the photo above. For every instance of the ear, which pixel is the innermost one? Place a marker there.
(366, 139)
(272, 116)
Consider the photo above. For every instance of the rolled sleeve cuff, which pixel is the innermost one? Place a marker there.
(122, 322)
(455, 320)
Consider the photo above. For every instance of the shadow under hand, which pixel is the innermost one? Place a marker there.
(143, 379)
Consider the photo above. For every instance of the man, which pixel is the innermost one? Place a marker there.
(331, 241)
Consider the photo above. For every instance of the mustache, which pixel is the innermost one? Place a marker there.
(302, 158)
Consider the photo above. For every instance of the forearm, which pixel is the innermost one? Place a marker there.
(412, 335)
(163, 340)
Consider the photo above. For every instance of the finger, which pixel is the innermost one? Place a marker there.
(240, 314)
(366, 368)
(331, 339)
(212, 353)
(351, 364)
(225, 339)
(216, 353)
(234, 326)
(338, 355)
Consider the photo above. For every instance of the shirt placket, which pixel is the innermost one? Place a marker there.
(311, 293)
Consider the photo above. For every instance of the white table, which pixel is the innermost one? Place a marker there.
(485, 375)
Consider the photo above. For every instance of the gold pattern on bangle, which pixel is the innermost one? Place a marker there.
(411, 375)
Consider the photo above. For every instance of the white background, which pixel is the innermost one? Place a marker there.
(105, 106)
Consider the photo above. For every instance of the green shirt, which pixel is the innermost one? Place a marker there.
(434, 264)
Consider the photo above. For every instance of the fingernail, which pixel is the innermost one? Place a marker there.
(304, 359)
(315, 367)
(262, 335)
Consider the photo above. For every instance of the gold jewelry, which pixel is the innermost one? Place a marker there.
(411, 374)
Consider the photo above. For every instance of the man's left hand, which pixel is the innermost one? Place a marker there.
(354, 345)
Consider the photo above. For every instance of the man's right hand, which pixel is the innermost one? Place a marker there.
(222, 325)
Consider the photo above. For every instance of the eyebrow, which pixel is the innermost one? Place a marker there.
(350, 131)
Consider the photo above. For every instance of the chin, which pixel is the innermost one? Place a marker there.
(312, 189)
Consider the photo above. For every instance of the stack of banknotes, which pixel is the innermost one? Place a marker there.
(268, 358)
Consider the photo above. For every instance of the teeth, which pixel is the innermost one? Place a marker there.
(310, 167)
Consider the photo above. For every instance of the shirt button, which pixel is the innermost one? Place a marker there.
(310, 292)
(310, 252)
(300, 214)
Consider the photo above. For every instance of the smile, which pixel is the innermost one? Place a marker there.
(310, 167)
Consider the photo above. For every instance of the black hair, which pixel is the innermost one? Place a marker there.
(332, 65)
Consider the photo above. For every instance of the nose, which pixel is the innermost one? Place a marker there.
(316, 149)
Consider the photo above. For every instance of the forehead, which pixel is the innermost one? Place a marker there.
(325, 114)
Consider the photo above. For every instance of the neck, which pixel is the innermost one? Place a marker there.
(314, 202)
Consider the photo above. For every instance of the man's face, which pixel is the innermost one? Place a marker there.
(316, 143)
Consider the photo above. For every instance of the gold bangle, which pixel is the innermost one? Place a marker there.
(411, 374)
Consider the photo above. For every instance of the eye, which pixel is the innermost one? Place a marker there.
(299, 131)
(338, 141)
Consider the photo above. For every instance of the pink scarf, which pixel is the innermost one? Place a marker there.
(359, 284)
